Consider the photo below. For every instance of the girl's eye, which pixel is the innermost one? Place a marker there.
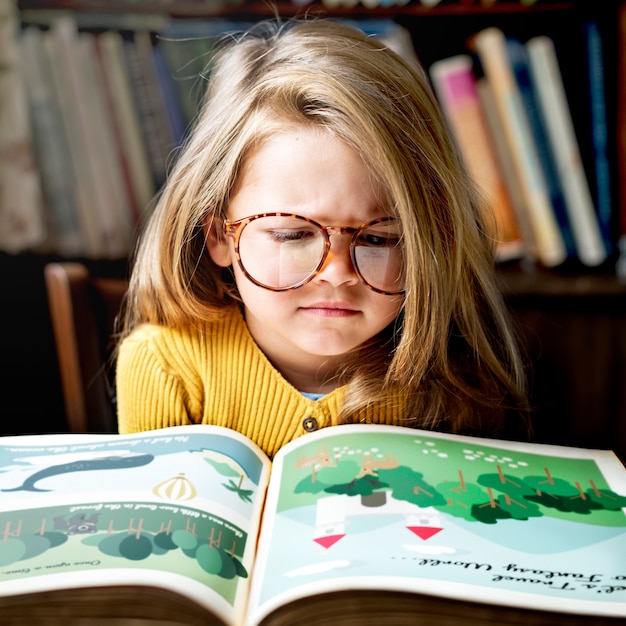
(281, 236)
(378, 240)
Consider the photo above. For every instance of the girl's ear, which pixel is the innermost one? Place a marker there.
(216, 242)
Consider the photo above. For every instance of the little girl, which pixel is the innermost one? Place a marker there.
(317, 257)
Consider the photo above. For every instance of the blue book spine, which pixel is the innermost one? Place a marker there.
(157, 154)
(172, 103)
(599, 132)
(518, 59)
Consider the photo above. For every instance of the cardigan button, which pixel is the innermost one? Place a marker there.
(309, 424)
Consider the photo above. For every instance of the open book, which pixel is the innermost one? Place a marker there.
(360, 525)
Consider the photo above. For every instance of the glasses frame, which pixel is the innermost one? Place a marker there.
(234, 228)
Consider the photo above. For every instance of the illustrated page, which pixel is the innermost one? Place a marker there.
(383, 507)
(184, 501)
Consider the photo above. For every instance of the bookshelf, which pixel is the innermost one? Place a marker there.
(256, 9)
(437, 30)
(573, 317)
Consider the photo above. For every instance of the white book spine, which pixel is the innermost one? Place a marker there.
(119, 210)
(552, 100)
(127, 117)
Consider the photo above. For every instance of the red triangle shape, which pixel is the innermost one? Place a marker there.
(424, 532)
(328, 541)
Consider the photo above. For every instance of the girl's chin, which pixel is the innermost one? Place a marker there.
(327, 350)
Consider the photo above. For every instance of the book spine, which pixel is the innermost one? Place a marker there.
(150, 122)
(51, 149)
(490, 45)
(22, 221)
(563, 146)
(100, 65)
(621, 141)
(599, 132)
(165, 131)
(520, 64)
(126, 120)
(505, 160)
(89, 148)
(455, 85)
(119, 211)
(173, 106)
(92, 243)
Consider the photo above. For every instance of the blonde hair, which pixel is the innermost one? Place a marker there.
(452, 351)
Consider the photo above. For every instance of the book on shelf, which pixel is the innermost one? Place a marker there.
(621, 140)
(22, 221)
(120, 209)
(455, 85)
(490, 45)
(95, 170)
(126, 121)
(520, 65)
(100, 74)
(352, 524)
(173, 107)
(154, 126)
(51, 149)
(596, 68)
(553, 107)
(76, 164)
(100, 65)
(156, 92)
(505, 161)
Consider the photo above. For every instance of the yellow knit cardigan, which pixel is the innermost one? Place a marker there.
(216, 374)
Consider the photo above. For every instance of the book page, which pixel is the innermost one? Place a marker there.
(177, 508)
(378, 507)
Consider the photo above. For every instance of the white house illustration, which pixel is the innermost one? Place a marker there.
(334, 513)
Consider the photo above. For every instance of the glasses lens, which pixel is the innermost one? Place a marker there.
(280, 252)
(379, 258)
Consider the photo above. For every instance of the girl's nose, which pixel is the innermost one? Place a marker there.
(338, 268)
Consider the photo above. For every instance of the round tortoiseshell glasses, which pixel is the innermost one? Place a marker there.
(282, 251)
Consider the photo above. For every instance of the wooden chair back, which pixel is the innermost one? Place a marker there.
(82, 311)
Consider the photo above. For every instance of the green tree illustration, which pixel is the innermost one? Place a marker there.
(556, 493)
(409, 485)
(460, 497)
(244, 494)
